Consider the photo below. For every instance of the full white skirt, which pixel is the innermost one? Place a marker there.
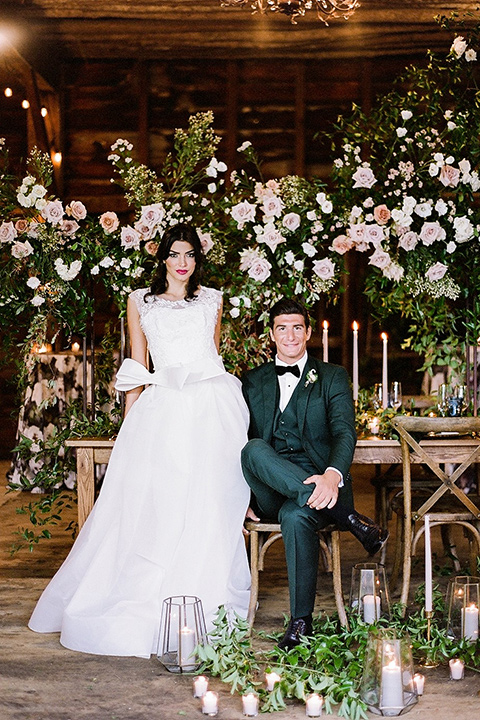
(168, 521)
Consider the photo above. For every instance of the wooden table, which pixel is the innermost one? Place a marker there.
(369, 451)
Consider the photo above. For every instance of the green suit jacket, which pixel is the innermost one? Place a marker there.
(325, 414)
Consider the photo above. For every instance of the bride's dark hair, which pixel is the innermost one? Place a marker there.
(184, 233)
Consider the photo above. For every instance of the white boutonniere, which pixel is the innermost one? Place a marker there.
(312, 377)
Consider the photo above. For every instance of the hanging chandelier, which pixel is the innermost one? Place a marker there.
(326, 9)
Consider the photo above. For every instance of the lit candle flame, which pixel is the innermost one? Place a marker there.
(355, 325)
(325, 324)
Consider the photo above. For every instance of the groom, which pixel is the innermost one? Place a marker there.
(297, 462)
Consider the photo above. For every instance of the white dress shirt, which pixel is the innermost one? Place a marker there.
(287, 384)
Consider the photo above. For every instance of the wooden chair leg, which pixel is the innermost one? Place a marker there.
(254, 553)
(398, 553)
(407, 562)
(337, 578)
(449, 546)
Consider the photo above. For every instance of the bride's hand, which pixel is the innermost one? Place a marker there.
(250, 515)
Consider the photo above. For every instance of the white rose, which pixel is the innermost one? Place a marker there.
(211, 187)
(356, 211)
(235, 301)
(470, 55)
(38, 191)
(106, 262)
(235, 312)
(441, 207)
(374, 233)
(320, 198)
(458, 46)
(463, 229)
(33, 282)
(289, 257)
(436, 272)
(423, 209)
(408, 205)
(393, 272)
(291, 221)
(364, 177)
(309, 249)
(327, 207)
(243, 212)
(324, 269)
(451, 247)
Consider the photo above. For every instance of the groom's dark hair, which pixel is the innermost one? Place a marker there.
(287, 306)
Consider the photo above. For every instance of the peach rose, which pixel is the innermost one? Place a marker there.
(381, 213)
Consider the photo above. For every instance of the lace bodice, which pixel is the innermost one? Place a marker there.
(179, 332)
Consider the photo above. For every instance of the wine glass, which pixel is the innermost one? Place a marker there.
(443, 395)
(377, 399)
(396, 395)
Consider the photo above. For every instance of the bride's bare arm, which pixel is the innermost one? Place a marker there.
(218, 327)
(138, 346)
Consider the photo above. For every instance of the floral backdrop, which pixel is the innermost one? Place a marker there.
(403, 192)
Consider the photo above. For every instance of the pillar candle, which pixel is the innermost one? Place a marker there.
(371, 608)
(325, 341)
(271, 679)
(314, 704)
(200, 686)
(392, 686)
(250, 705)
(470, 622)
(384, 337)
(186, 649)
(428, 566)
(457, 667)
(210, 703)
(355, 361)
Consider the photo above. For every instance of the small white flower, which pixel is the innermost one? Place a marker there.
(311, 215)
(33, 282)
(235, 312)
(235, 301)
(289, 257)
(95, 270)
(244, 146)
(37, 300)
(211, 171)
(406, 114)
(311, 378)
(451, 125)
(309, 249)
(458, 46)
(299, 265)
(470, 55)
(125, 263)
(246, 301)
(451, 247)
(106, 262)
(401, 132)
(221, 167)
(211, 187)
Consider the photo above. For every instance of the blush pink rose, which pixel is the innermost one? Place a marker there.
(272, 206)
(130, 238)
(342, 244)
(449, 176)
(380, 259)
(382, 214)
(408, 240)
(21, 226)
(436, 272)
(152, 214)
(109, 222)
(21, 250)
(8, 232)
(53, 212)
(259, 270)
(291, 221)
(430, 232)
(151, 247)
(324, 269)
(243, 212)
(77, 210)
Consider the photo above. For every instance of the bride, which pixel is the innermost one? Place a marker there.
(168, 520)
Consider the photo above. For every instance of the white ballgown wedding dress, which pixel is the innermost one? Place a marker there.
(168, 520)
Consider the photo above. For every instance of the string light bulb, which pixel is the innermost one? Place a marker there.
(25, 104)
(8, 92)
(57, 158)
(44, 112)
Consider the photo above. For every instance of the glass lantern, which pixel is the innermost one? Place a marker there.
(369, 592)
(463, 600)
(182, 628)
(387, 686)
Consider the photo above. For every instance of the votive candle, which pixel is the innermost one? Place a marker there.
(272, 678)
(371, 608)
(419, 681)
(200, 686)
(210, 703)
(313, 706)
(470, 622)
(457, 668)
(250, 704)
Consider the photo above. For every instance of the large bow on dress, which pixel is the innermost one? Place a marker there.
(133, 374)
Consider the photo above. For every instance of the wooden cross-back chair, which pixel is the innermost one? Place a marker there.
(449, 441)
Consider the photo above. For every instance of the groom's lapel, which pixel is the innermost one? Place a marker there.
(304, 391)
(270, 400)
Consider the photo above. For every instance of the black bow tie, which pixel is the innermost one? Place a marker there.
(282, 369)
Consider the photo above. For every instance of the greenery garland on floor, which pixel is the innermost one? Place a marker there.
(330, 663)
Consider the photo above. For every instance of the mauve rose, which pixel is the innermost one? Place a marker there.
(151, 247)
(341, 244)
(364, 177)
(449, 176)
(382, 214)
(324, 269)
(69, 227)
(7, 232)
(374, 233)
(77, 210)
(21, 226)
(21, 250)
(53, 211)
(380, 259)
(408, 241)
(205, 240)
(272, 206)
(146, 231)
(243, 212)
(109, 222)
(436, 272)
(431, 232)
(130, 238)
(291, 221)
(260, 269)
(152, 214)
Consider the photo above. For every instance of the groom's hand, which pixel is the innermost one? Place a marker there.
(325, 493)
